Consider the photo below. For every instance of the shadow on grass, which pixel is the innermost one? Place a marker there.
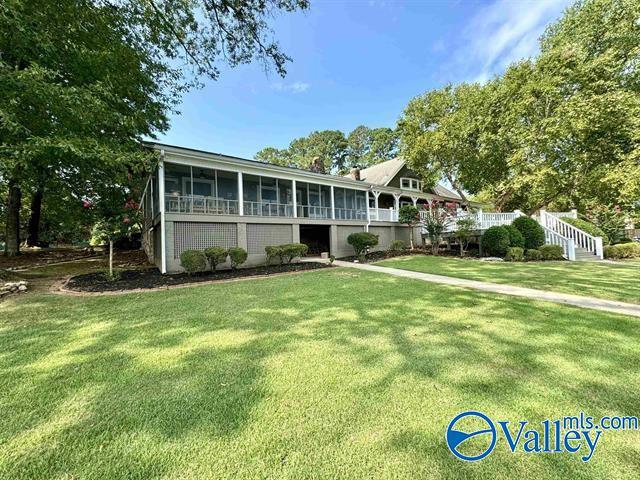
(120, 377)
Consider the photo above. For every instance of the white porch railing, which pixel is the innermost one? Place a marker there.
(351, 214)
(311, 211)
(266, 209)
(200, 205)
(483, 220)
(383, 214)
(581, 238)
(567, 244)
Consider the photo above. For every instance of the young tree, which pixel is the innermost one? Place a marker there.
(435, 221)
(465, 227)
(409, 215)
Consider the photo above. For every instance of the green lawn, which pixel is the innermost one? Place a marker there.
(620, 281)
(328, 374)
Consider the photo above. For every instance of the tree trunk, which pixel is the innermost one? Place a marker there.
(12, 231)
(33, 228)
(110, 258)
(411, 236)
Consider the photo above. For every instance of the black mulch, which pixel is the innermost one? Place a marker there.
(152, 278)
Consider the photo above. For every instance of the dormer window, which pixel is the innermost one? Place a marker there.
(411, 184)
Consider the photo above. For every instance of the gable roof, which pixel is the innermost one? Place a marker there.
(382, 173)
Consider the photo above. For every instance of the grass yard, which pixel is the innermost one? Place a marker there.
(620, 281)
(327, 374)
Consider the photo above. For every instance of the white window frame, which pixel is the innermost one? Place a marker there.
(414, 184)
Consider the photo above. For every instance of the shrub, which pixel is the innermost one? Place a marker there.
(293, 250)
(515, 237)
(531, 230)
(273, 252)
(515, 254)
(362, 241)
(216, 256)
(622, 250)
(588, 227)
(532, 255)
(496, 241)
(551, 252)
(193, 261)
(397, 246)
(237, 256)
(624, 240)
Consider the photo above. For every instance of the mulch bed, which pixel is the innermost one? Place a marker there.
(384, 254)
(152, 278)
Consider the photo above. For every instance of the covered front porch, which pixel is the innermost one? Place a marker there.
(384, 206)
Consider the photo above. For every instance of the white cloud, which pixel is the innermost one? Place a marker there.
(501, 33)
(295, 87)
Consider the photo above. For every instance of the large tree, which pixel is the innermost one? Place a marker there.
(81, 81)
(562, 129)
(368, 146)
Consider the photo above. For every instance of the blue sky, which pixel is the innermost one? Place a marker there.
(357, 62)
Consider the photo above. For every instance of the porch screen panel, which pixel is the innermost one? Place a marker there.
(263, 235)
(198, 236)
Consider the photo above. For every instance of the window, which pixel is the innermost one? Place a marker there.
(411, 184)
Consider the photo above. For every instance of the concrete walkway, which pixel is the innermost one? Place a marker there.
(575, 300)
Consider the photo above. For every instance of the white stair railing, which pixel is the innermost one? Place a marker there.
(567, 244)
(581, 238)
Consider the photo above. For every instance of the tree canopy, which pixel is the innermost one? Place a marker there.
(562, 129)
(338, 153)
(82, 81)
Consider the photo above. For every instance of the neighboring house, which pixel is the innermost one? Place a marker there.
(197, 199)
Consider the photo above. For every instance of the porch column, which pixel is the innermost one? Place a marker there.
(333, 205)
(240, 195)
(163, 241)
(376, 194)
(295, 199)
(396, 201)
(415, 201)
(368, 213)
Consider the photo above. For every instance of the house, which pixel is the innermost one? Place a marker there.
(197, 199)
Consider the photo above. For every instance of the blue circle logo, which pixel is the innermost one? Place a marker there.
(471, 425)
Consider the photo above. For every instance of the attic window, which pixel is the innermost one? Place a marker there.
(411, 184)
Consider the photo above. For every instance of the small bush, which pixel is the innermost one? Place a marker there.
(362, 241)
(515, 237)
(216, 256)
(531, 230)
(515, 254)
(532, 255)
(496, 241)
(551, 252)
(397, 246)
(237, 256)
(588, 227)
(332, 258)
(273, 252)
(193, 261)
(294, 250)
(622, 250)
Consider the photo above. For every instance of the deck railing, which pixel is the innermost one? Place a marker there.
(312, 211)
(351, 214)
(266, 209)
(383, 214)
(195, 204)
(567, 244)
(581, 238)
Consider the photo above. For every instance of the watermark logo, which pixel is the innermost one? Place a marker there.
(471, 436)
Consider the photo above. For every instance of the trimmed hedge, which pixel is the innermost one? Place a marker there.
(216, 256)
(622, 250)
(496, 240)
(588, 227)
(515, 254)
(531, 230)
(237, 256)
(532, 255)
(551, 252)
(362, 241)
(285, 253)
(193, 261)
(515, 237)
